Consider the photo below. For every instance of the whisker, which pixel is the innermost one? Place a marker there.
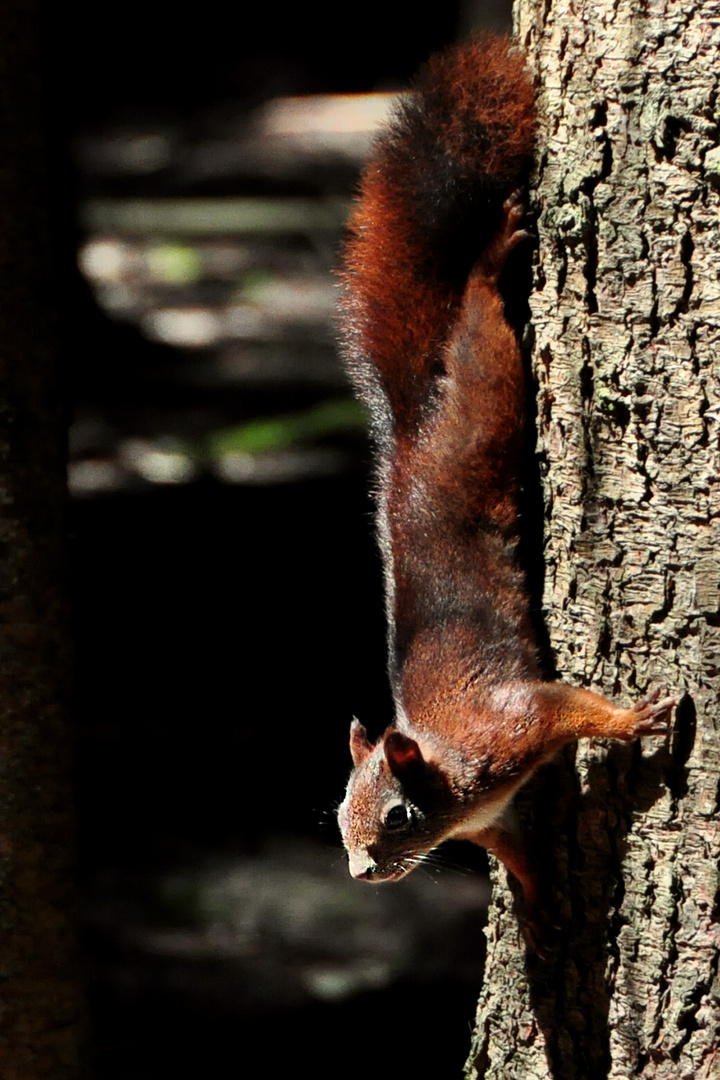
(428, 864)
(439, 858)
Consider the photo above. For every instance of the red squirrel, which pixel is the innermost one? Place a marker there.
(430, 353)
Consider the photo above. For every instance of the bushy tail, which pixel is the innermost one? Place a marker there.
(430, 200)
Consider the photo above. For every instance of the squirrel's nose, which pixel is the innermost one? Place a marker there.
(362, 866)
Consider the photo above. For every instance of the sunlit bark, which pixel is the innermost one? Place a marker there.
(626, 314)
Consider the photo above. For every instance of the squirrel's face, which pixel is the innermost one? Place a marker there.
(395, 809)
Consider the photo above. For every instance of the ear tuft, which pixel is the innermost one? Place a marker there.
(360, 745)
(402, 753)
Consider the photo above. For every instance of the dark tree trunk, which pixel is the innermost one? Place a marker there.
(39, 999)
(626, 315)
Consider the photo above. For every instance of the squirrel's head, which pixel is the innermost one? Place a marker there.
(396, 808)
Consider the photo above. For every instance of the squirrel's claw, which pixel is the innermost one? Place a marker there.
(652, 716)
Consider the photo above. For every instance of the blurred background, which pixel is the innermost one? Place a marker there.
(227, 593)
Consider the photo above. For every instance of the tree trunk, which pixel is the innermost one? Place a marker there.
(39, 998)
(626, 316)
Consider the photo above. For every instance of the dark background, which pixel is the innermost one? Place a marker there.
(226, 634)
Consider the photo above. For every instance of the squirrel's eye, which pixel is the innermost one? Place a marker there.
(398, 816)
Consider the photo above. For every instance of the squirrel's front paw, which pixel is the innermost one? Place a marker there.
(651, 715)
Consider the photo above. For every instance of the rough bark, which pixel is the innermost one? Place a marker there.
(39, 999)
(626, 315)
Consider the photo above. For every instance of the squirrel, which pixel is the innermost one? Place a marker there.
(430, 353)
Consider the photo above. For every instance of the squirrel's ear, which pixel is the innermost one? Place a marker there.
(402, 753)
(360, 745)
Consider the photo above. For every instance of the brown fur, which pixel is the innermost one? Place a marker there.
(399, 300)
(430, 351)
